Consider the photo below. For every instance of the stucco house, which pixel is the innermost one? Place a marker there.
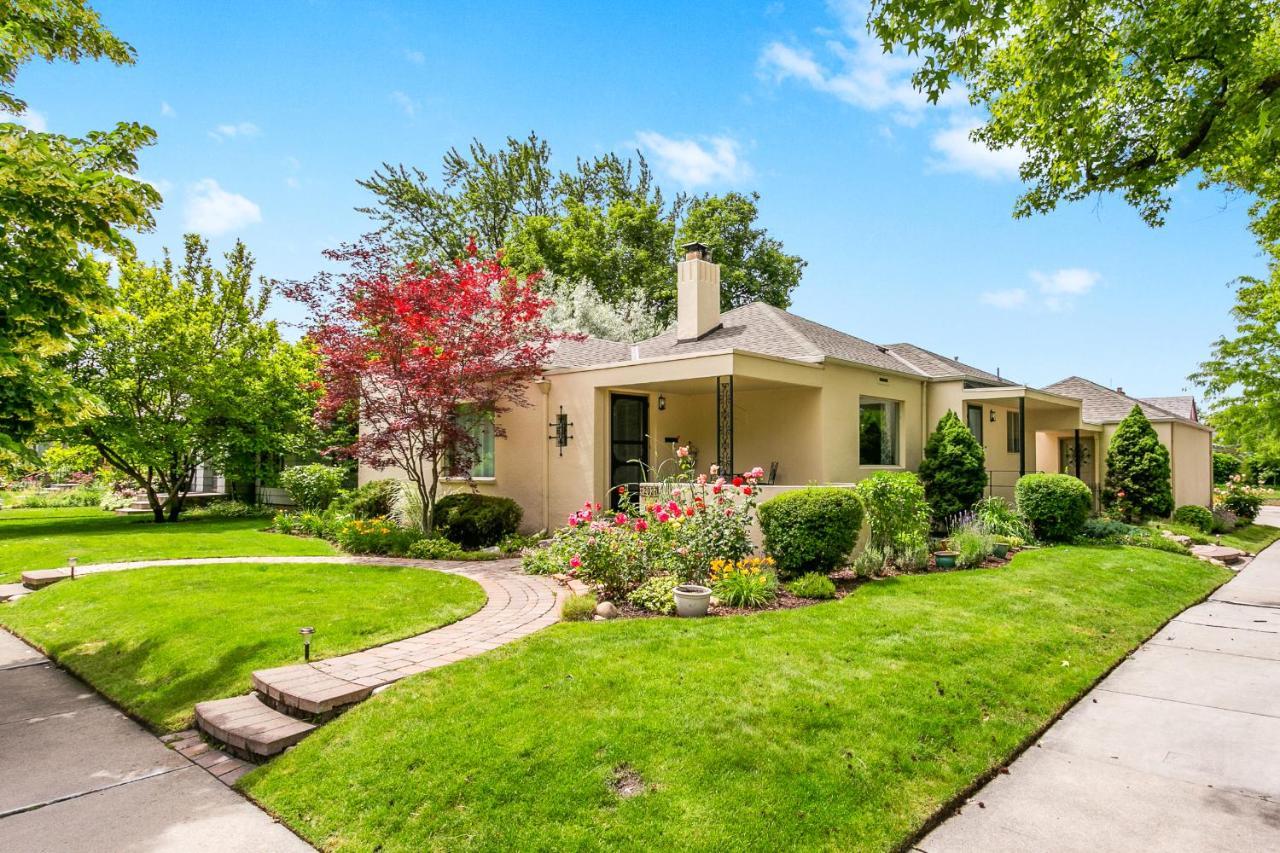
(757, 385)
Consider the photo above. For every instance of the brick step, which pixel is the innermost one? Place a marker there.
(249, 728)
(44, 577)
(303, 690)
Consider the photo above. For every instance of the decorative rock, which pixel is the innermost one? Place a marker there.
(577, 587)
(606, 610)
(44, 577)
(1218, 552)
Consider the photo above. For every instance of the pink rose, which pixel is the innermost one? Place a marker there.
(662, 516)
(575, 561)
(702, 479)
(641, 526)
(620, 519)
(683, 452)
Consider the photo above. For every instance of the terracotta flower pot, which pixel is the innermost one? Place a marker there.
(692, 599)
(946, 559)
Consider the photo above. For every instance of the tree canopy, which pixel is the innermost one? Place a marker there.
(64, 204)
(605, 222)
(187, 371)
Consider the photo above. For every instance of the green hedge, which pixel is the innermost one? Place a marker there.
(477, 521)
(811, 529)
(1195, 516)
(1057, 505)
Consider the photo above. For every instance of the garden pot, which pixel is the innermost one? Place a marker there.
(692, 599)
(946, 559)
(1000, 549)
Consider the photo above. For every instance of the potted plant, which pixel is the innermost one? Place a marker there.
(692, 599)
(946, 559)
(1000, 547)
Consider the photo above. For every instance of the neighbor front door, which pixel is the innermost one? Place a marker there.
(1067, 457)
(628, 443)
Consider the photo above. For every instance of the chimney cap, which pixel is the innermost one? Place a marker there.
(696, 251)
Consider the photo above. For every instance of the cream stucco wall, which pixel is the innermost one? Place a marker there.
(1191, 455)
(843, 390)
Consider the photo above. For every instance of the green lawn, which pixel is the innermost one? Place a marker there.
(44, 538)
(158, 640)
(840, 726)
(1252, 537)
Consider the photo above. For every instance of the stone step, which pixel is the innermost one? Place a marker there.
(133, 510)
(10, 591)
(250, 728)
(44, 577)
(303, 689)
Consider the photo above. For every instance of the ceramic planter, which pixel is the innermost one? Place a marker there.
(946, 559)
(692, 599)
(1000, 549)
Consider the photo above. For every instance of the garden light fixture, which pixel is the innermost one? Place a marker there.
(306, 642)
(71, 564)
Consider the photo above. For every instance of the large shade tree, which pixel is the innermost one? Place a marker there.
(605, 222)
(187, 371)
(424, 354)
(65, 204)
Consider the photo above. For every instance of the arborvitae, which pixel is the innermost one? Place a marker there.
(1138, 476)
(953, 470)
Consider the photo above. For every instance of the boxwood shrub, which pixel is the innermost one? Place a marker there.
(1196, 516)
(811, 529)
(1057, 505)
(477, 521)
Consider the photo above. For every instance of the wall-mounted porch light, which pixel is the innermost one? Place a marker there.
(662, 403)
(306, 642)
(993, 415)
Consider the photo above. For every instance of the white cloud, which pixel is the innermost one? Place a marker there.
(868, 77)
(407, 104)
(959, 153)
(242, 130)
(211, 210)
(693, 163)
(162, 185)
(417, 57)
(1012, 298)
(31, 120)
(1060, 288)
(166, 110)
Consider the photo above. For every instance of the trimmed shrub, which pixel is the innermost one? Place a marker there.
(1139, 484)
(373, 500)
(954, 470)
(812, 585)
(1195, 516)
(657, 594)
(1057, 505)
(312, 486)
(810, 529)
(579, 608)
(898, 517)
(1225, 466)
(433, 548)
(476, 521)
(1239, 499)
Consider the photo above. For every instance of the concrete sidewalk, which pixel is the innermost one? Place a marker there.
(1178, 749)
(76, 774)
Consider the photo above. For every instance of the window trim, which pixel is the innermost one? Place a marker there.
(1013, 432)
(898, 449)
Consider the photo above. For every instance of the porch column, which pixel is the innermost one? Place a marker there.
(724, 424)
(1077, 454)
(1022, 436)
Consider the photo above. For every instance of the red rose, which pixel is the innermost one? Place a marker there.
(737, 481)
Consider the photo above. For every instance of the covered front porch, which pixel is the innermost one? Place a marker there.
(1025, 430)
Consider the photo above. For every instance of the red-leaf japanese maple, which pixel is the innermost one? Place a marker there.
(413, 348)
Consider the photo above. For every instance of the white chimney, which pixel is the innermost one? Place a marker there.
(697, 293)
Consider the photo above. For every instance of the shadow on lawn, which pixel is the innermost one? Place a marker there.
(155, 682)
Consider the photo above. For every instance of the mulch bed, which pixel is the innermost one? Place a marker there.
(846, 581)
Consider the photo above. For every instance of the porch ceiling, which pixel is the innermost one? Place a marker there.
(706, 385)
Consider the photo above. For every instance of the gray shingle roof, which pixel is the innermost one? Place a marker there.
(584, 353)
(767, 330)
(1101, 405)
(933, 365)
(1183, 407)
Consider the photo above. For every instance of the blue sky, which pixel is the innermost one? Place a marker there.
(267, 113)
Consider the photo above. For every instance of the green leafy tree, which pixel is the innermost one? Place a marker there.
(64, 204)
(1138, 484)
(1241, 379)
(605, 222)
(1225, 466)
(954, 468)
(188, 372)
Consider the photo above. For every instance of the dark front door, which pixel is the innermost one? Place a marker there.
(628, 443)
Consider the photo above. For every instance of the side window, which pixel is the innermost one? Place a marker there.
(1014, 422)
(973, 417)
(878, 431)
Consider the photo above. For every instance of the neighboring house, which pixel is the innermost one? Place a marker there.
(760, 386)
(1176, 422)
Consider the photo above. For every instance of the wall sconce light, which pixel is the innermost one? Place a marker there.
(662, 403)
(561, 430)
(993, 415)
(306, 642)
